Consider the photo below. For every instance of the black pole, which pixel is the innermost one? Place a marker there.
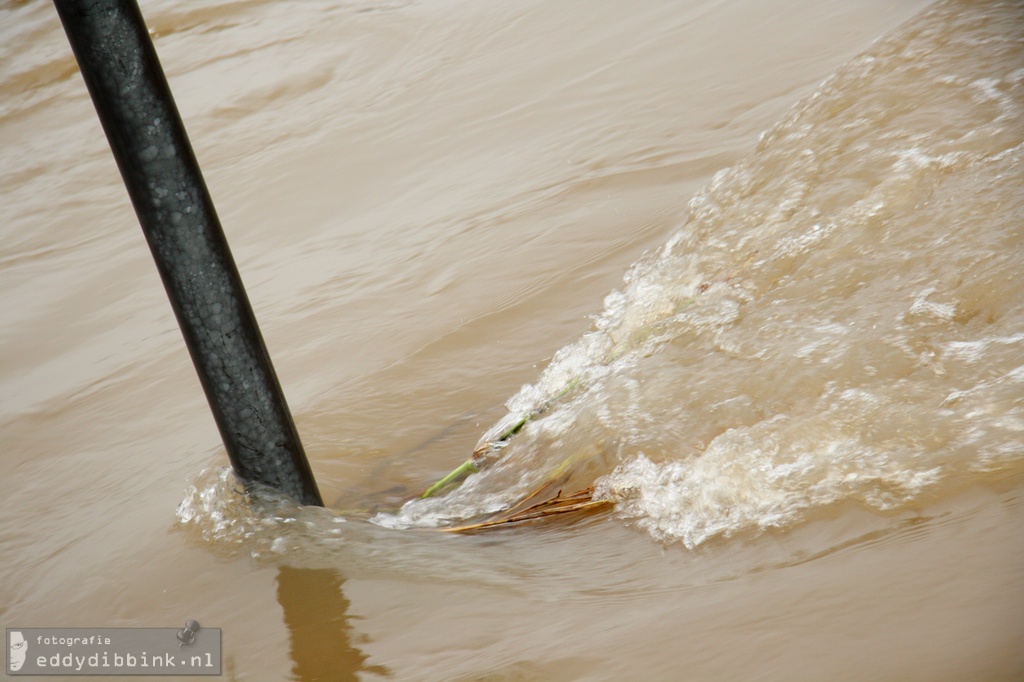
(128, 87)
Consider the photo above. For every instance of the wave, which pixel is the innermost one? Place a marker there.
(836, 318)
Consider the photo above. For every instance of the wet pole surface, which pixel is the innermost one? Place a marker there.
(134, 103)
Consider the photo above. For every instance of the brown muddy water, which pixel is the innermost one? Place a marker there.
(759, 262)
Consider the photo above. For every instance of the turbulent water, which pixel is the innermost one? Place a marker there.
(840, 315)
(804, 403)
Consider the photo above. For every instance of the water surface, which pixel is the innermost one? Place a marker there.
(772, 252)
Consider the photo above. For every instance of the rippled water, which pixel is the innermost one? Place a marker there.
(839, 316)
(804, 401)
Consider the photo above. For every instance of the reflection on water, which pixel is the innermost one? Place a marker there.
(316, 614)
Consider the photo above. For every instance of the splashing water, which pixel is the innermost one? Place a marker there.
(218, 511)
(837, 318)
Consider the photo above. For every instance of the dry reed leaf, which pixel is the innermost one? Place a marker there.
(580, 502)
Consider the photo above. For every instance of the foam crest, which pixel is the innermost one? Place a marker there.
(834, 320)
(219, 512)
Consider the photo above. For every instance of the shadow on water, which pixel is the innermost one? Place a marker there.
(316, 613)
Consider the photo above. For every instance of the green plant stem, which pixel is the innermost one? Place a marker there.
(464, 469)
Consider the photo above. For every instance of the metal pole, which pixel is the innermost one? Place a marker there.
(128, 87)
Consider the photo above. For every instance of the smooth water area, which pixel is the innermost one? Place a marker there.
(755, 269)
